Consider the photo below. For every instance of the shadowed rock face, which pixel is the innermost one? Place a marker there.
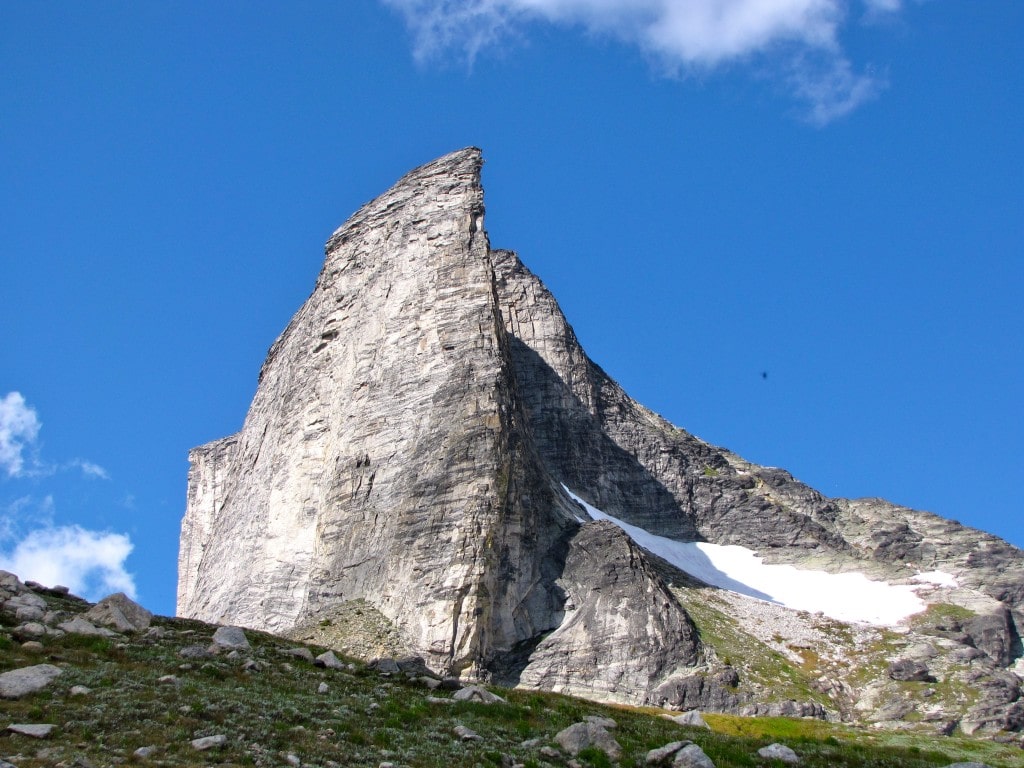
(407, 446)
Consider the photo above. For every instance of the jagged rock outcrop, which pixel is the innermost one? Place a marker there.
(408, 449)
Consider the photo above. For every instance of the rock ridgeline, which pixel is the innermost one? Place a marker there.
(406, 459)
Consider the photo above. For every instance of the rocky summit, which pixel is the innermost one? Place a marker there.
(432, 467)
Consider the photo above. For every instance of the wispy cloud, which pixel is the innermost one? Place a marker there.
(89, 469)
(19, 435)
(800, 38)
(89, 563)
(19, 429)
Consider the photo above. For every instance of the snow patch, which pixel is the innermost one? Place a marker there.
(849, 597)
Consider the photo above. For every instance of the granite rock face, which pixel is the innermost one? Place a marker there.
(386, 456)
(413, 433)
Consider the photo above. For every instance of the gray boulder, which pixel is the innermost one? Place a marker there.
(477, 693)
(209, 742)
(692, 718)
(662, 754)
(300, 653)
(580, 736)
(908, 670)
(329, 660)
(34, 730)
(386, 666)
(29, 613)
(466, 734)
(22, 682)
(692, 756)
(779, 752)
(121, 613)
(79, 625)
(231, 637)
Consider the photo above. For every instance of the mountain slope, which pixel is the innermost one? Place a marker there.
(174, 694)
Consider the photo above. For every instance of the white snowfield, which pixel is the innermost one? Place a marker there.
(849, 597)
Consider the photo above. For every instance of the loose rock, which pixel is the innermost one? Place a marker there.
(692, 756)
(662, 754)
(329, 660)
(300, 653)
(908, 670)
(231, 637)
(693, 718)
(120, 612)
(779, 752)
(82, 626)
(34, 730)
(466, 734)
(210, 742)
(385, 666)
(21, 682)
(477, 693)
(580, 736)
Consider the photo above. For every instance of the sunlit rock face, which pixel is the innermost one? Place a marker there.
(414, 436)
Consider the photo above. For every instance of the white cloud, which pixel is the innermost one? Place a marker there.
(90, 563)
(684, 36)
(19, 428)
(90, 469)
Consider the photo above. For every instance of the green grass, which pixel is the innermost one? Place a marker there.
(760, 667)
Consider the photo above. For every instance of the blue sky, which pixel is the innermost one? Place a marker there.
(828, 192)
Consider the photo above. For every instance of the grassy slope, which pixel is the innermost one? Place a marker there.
(365, 718)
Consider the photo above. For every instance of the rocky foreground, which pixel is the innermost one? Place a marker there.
(85, 686)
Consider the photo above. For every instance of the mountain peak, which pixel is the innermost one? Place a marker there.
(430, 446)
(451, 181)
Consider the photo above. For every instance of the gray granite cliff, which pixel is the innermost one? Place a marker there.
(406, 458)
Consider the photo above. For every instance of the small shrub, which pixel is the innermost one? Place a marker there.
(595, 757)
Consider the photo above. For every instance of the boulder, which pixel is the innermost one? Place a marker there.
(692, 756)
(661, 755)
(121, 613)
(34, 730)
(580, 736)
(328, 660)
(209, 742)
(909, 670)
(79, 625)
(22, 682)
(779, 752)
(692, 718)
(231, 637)
(477, 693)
(466, 734)
(300, 652)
